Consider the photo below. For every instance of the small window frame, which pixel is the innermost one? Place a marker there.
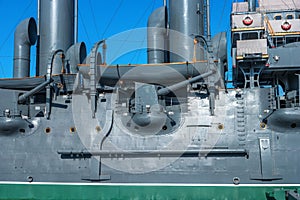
(289, 16)
(277, 17)
(250, 35)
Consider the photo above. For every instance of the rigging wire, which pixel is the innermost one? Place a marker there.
(138, 52)
(144, 13)
(136, 24)
(222, 15)
(11, 32)
(84, 27)
(260, 4)
(112, 18)
(2, 70)
(294, 4)
(285, 4)
(94, 18)
(13, 28)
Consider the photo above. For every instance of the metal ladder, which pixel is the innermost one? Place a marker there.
(241, 120)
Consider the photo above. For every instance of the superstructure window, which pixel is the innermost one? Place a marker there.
(250, 36)
(292, 39)
(261, 35)
(290, 17)
(279, 41)
(235, 38)
(278, 17)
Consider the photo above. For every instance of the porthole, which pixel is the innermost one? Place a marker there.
(29, 179)
(263, 125)
(22, 130)
(98, 128)
(47, 130)
(293, 125)
(236, 180)
(72, 130)
(221, 126)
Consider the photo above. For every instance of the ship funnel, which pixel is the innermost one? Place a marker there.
(186, 22)
(156, 36)
(25, 36)
(252, 5)
(56, 31)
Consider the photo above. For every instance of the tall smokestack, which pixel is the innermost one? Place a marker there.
(56, 28)
(186, 17)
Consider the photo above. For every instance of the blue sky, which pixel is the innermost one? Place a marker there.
(98, 19)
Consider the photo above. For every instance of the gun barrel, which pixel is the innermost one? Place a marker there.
(167, 90)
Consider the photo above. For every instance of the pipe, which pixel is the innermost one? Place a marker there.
(156, 35)
(160, 74)
(51, 61)
(155, 153)
(38, 16)
(252, 5)
(25, 36)
(76, 22)
(167, 90)
(208, 19)
(37, 59)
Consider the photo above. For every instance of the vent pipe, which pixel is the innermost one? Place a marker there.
(252, 5)
(25, 36)
(74, 56)
(156, 36)
(56, 28)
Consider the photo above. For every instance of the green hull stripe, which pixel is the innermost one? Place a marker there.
(123, 192)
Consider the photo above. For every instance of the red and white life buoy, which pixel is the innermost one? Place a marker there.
(247, 21)
(286, 26)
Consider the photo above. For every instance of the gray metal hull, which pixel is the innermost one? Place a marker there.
(39, 155)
